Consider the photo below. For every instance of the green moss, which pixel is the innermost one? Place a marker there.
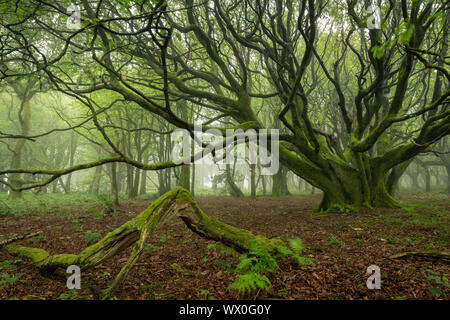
(35, 254)
(89, 254)
(61, 260)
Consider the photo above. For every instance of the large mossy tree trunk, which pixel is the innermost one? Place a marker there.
(177, 203)
(280, 185)
(362, 181)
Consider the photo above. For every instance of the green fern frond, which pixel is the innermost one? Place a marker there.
(249, 282)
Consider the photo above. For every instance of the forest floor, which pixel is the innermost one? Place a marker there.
(178, 264)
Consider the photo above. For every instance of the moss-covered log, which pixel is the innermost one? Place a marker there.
(176, 203)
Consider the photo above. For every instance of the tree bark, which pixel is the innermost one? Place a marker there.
(253, 181)
(143, 186)
(16, 160)
(73, 149)
(447, 169)
(184, 180)
(234, 189)
(114, 188)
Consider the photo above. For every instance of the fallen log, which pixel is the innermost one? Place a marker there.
(176, 203)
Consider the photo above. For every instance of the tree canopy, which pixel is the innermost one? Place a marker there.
(356, 93)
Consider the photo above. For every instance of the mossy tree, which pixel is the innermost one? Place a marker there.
(212, 55)
(24, 90)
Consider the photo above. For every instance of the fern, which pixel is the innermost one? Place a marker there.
(296, 245)
(255, 265)
(91, 237)
(6, 280)
(249, 282)
(252, 269)
(221, 251)
(257, 260)
(343, 208)
(296, 248)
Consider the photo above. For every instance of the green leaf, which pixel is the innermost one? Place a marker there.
(378, 51)
(434, 290)
(406, 36)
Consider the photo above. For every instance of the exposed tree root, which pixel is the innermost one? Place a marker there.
(445, 256)
(176, 203)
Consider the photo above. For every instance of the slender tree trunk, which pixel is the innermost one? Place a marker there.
(276, 184)
(438, 178)
(184, 180)
(135, 187)
(143, 188)
(73, 148)
(427, 179)
(193, 172)
(16, 160)
(114, 188)
(447, 168)
(284, 181)
(279, 186)
(120, 177)
(97, 176)
(253, 180)
(129, 181)
(193, 181)
(263, 182)
(97, 179)
(414, 180)
(61, 182)
(234, 189)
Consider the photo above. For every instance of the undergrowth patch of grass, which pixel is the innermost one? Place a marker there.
(35, 205)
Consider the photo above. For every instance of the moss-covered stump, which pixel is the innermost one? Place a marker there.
(176, 203)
